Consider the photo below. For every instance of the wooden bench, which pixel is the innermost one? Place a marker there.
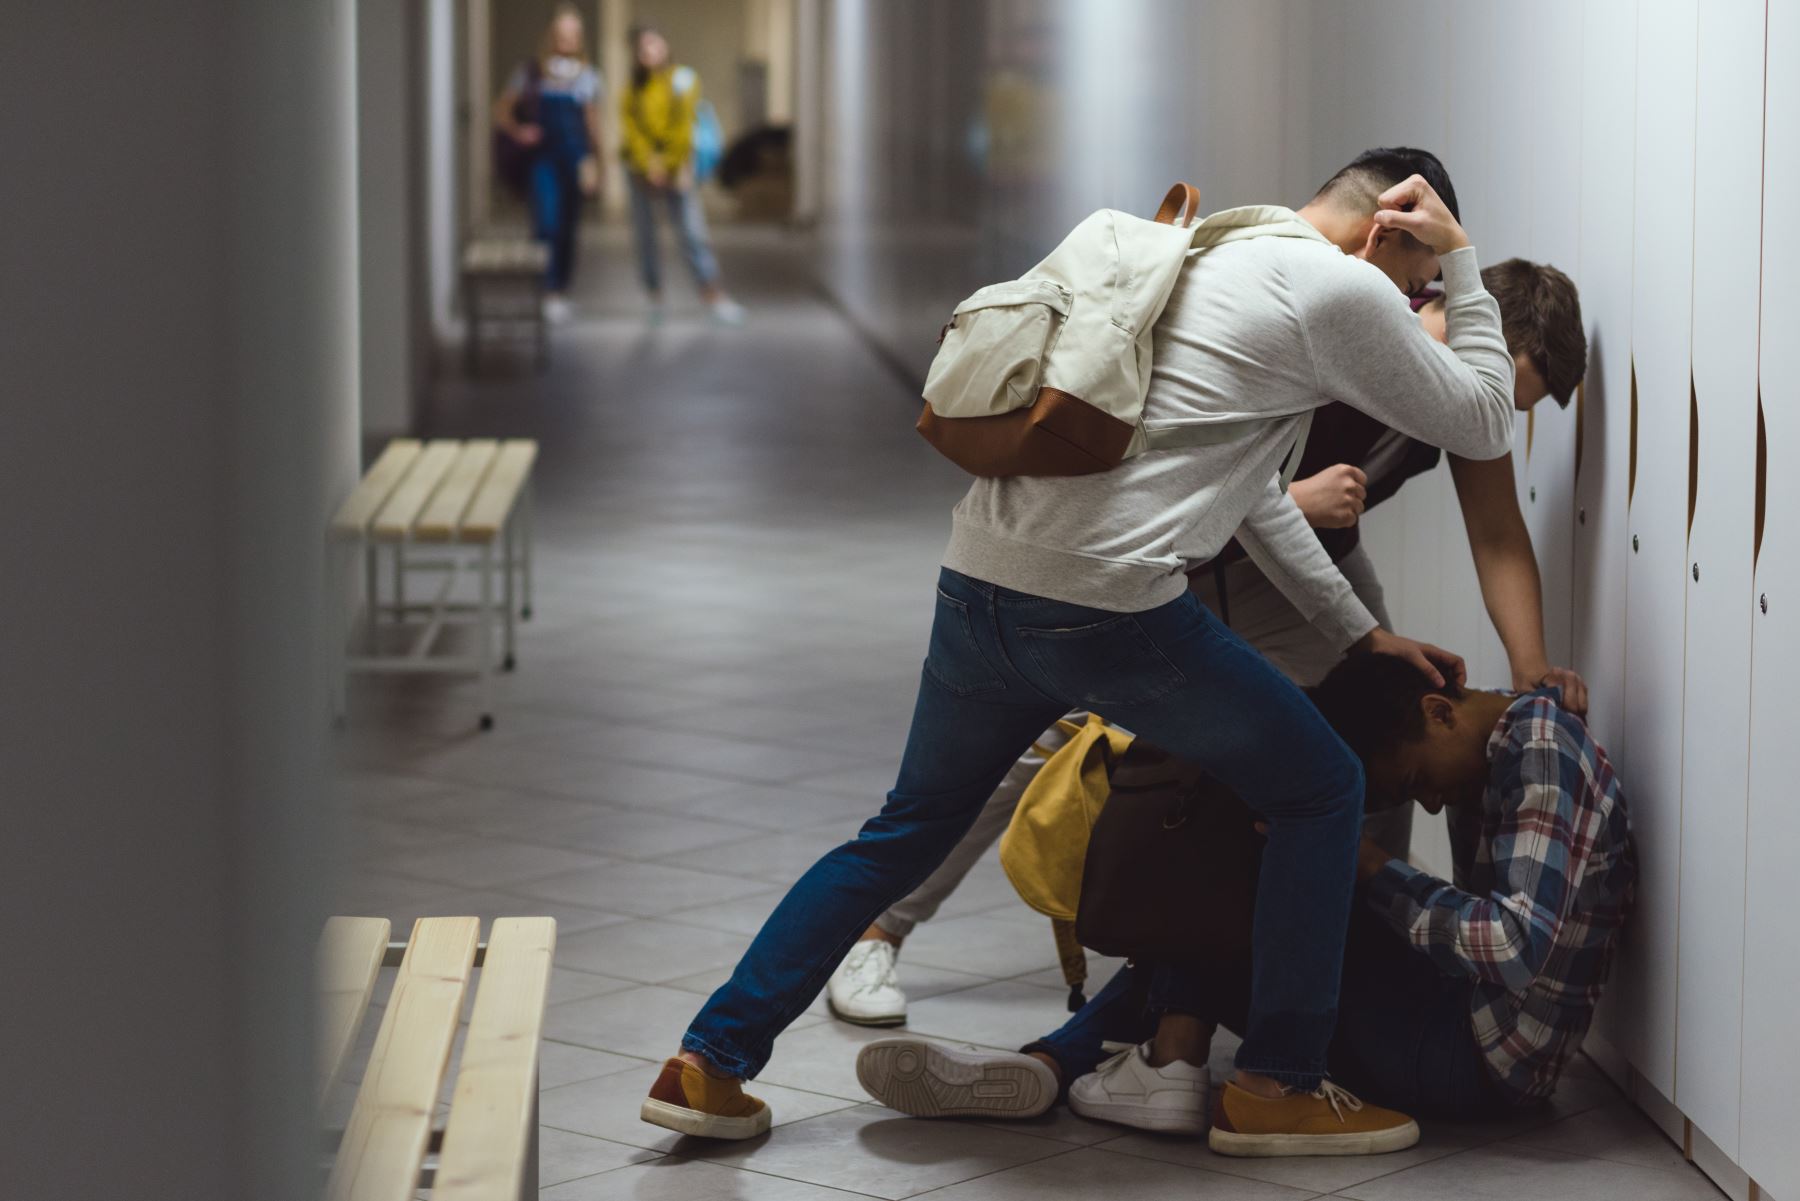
(503, 288)
(470, 502)
(392, 1146)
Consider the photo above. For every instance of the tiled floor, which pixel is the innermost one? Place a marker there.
(737, 536)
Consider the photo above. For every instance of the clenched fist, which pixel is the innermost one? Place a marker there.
(1334, 498)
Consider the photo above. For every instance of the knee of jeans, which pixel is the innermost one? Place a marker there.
(1342, 783)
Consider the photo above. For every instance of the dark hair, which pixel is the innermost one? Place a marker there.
(1540, 313)
(1373, 172)
(634, 35)
(1372, 701)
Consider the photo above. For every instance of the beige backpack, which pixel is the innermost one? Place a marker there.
(1046, 374)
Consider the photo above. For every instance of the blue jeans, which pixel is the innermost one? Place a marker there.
(690, 228)
(555, 197)
(1403, 1039)
(1002, 666)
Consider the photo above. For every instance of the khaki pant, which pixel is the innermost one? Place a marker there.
(1265, 619)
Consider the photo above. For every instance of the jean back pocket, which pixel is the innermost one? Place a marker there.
(955, 660)
(1108, 664)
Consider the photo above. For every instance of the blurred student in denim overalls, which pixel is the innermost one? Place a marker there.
(547, 144)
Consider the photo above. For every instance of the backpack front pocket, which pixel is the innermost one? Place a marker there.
(992, 355)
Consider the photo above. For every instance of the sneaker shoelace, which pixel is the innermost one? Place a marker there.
(1339, 1099)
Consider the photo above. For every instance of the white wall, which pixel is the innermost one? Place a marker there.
(1647, 147)
(180, 372)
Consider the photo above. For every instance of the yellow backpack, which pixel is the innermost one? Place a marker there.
(1043, 850)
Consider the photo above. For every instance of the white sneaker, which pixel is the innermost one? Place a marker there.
(865, 989)
(727, 311)
(930, 1080)
(557, 309)
(1127, 1090)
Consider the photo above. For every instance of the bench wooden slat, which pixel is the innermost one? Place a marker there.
(350, 954)
(390, 1125)
(489, 1132)
(443, 514)
(396, 518)
(487, 515)
(366, 499)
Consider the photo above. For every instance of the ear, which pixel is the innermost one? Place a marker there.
(1438, 711)
(1373, 239)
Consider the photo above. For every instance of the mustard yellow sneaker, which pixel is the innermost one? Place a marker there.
(1326, 1121)
(686, 1100)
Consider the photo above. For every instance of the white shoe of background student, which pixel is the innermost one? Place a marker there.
(865, 989)
(1127, 1090)
(557, 309)
(726, 311)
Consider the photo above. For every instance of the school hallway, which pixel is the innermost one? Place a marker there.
(737, 538)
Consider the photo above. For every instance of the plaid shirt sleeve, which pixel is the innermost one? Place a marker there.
(1505, 936)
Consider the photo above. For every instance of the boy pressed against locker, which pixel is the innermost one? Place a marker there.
(1460, 998)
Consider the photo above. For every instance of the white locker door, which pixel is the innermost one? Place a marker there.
(1770, 1150)
(1554, 93)
(1602, 538)
(1661, 313)
(1728, 191)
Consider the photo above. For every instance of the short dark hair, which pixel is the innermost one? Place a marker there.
(1372, 701)
(1540, 313)
(1373, 172)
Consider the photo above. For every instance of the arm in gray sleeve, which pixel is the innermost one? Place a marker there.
(1284, 548)
(1370, 352)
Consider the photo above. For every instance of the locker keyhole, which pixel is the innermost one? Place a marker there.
(1696, 573)
(1634, 544)
(1581, 516)
(1763, 601)
(1534, 494)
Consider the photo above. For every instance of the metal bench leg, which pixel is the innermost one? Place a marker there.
(400, 581)
(472, 332)
(543, 327)
(485, 625)
(371, 594)
(506, 591)
(529, 536)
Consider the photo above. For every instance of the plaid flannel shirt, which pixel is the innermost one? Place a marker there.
(1544, 878)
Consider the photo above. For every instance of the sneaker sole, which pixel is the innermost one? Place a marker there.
(874, 1019)
(929, 1081)
(683, 1120)
(1269, 1146)
(1141, 1117)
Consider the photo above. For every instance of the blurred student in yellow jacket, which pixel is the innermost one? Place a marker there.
(657, 114)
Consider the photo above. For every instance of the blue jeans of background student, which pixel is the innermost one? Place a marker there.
(1404, 1037)
(1001, 667)
(556, 214)
(690, 229)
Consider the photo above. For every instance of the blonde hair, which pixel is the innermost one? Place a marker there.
(547, 44)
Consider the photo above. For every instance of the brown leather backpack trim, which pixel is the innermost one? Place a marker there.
(1058, 434)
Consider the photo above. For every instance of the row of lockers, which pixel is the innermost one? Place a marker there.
(1653, 151)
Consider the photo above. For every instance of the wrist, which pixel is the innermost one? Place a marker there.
(1527, 678)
